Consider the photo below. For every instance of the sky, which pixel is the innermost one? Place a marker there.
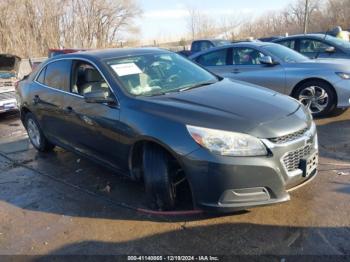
(166, 19)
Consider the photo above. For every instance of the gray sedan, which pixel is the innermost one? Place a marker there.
(321, 85)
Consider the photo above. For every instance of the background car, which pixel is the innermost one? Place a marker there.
(203, 44)
(317, 45)
(321, 85)
(61, 51)
(12, 69)
(269, 39)
(154, 115)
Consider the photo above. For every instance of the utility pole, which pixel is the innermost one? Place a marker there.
(306, 16)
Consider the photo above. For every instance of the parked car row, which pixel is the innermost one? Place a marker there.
(321, 85)
(157, 117)
(317, 45)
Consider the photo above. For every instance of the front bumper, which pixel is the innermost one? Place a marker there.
(227, 184)
(8, 105)
(342, 88)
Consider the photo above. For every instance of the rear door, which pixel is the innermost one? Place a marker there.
(49, 90)
(247, 67)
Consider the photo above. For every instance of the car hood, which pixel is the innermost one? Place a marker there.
(234, 106)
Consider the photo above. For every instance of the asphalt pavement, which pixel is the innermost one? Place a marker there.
(60, 203)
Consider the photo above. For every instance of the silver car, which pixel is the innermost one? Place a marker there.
(321, 85)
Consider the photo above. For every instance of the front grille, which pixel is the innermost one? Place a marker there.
(6, 83)
(289, 137)
(7, 95)
(292, 160)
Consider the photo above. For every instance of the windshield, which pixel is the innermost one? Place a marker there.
(285, 54)
(338, 42)
(156, 74)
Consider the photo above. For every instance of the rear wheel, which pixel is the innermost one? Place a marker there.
(318, 96)
(36, 135)
(158, 177)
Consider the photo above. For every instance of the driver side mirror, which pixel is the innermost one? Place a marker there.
(99, 97)
(330, 49)
(266, 60)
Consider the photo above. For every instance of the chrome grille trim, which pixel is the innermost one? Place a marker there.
(291, 160)
(6, 84)
(289, 137)
(8, 95)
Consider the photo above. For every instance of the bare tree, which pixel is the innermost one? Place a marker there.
(200, 24)
(30, 27)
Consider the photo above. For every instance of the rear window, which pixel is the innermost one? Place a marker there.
(288, 43)
(56, 75)
(215, 58)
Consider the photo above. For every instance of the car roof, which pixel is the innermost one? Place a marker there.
(317, 36)
(102, 54)
(210, 39)
(245, 44)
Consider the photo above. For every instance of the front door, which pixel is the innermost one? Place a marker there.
(248, 68)
(93, 128)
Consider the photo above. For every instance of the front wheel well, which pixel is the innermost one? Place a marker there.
(135, 158)
(24, 110)
(297, 86)
(136, 167)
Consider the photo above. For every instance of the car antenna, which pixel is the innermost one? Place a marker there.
(324, 38)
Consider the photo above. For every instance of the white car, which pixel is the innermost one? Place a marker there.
(12, 69)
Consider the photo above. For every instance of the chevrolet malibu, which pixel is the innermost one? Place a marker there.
(159, 118)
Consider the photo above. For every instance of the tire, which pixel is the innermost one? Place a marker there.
(36, 135)
(158, 178)
(318, 96)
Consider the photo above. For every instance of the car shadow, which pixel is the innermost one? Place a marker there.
(225, 239)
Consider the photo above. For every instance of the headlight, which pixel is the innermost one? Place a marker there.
(343, 75)
(227, 143)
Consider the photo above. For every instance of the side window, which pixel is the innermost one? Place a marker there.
(195, 47)
(289, 43)
(312, 46)
(247, 56)
(57, 75)
(216, 58)
(86, 79)
(41, 77)
(205, 45)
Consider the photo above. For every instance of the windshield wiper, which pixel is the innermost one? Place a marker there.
(196, 86)
(176, 90)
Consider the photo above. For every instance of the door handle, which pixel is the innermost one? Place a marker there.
(36, 99)
(68, 109)
(236, 71)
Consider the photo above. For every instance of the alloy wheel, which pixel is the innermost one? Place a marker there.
(33, 133)
(315, 98)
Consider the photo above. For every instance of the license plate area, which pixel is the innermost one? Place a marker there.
(309, 165)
